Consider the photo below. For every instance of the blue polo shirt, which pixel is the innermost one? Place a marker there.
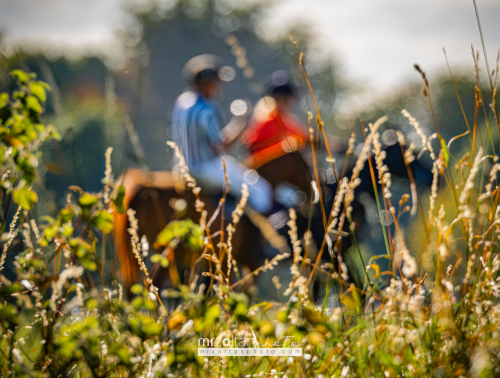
(196, 126)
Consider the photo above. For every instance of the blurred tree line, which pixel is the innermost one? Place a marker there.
(95, 104)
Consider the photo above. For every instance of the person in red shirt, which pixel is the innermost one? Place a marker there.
(274, 130)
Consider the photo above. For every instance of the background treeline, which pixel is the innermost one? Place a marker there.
(95, 102)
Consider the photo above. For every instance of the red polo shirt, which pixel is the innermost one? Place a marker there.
(273, 137)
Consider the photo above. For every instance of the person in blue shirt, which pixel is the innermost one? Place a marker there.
(200, 131)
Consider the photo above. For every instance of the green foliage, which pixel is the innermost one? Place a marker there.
(118, 199)
(44, 300)
(56, 321)
(21, 133)
(444, 148)
(186, 231)
(159, 259)
(103, 220)
(24, 197)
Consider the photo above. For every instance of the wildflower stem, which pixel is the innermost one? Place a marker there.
(375, 190)
(495, 110)
(316, 174)
(319, 120)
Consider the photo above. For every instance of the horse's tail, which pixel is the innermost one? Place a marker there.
(132, 180)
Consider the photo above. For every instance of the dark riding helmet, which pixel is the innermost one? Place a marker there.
(280, 83)
(202, 67)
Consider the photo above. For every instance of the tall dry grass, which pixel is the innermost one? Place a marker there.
(434, 312)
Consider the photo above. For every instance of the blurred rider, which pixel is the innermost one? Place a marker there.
(274, 131)
(200, 131)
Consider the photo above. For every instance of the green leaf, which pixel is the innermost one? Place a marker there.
(77, 242)
(150, 327)
(68, 347)
(103, 221)
(50, 232)
(136, 289)
(53, 132)
(92, 303)
(194, 241)
(14, 288)
(446, 154)
(259, 305)
(165, 236)
(164, 262)
(89, 264)
(4, 99)
(137, 302)
(118, 199)
(84, 253)
(67, 230)
(357, 299)
(282, 316)
(124, 355)
(190, 234)
(149, 305)
(21, 76)
(156, 258)
(312, 316)
(33, 104)
(45, 85)
(212, 313)
(24, 197)
(241, 309)
(38, 89)
(65, 215)
(9, 313)
(87, 199)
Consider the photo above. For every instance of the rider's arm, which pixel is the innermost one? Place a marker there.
(230, 133)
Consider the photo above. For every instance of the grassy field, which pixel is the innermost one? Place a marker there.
(433, 313)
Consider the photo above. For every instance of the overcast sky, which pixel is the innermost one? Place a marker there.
(376, 41)
(380, 40)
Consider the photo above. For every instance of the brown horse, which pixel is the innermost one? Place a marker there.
(154, 196)
(290, 168)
